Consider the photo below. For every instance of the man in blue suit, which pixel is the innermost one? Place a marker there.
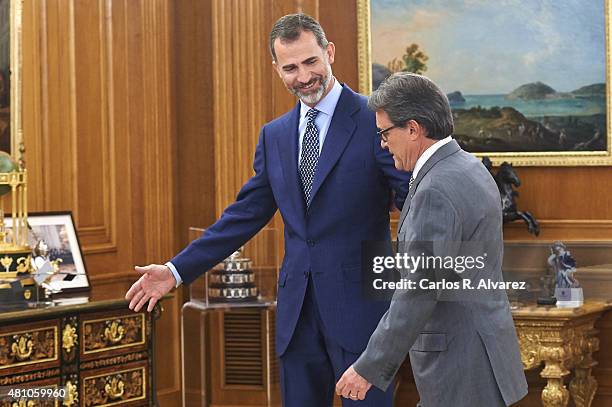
(322, 166)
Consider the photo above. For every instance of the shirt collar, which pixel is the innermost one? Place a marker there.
(326, 105)
(430, 151)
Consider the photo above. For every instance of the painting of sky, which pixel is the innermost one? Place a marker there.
(483, 47)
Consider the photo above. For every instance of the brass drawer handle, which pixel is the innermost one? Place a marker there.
(22, 346)
(114, 331)
(115, 387)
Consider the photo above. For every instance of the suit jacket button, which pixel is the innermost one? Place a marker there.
(310, 243)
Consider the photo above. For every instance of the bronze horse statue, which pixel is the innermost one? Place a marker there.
(506, 179)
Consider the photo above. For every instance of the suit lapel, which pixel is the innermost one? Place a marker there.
(442, 153)
(287, 145)
(405, 210)
(341, 129)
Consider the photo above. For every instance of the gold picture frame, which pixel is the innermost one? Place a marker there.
(11, 11)
(543, 158)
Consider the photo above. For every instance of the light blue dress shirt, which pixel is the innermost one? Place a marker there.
(326, 107)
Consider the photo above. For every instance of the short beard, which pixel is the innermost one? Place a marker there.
(314, 98)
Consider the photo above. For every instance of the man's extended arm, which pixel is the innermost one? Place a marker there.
(254, 207)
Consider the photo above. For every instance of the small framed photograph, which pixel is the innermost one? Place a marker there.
(57, 230)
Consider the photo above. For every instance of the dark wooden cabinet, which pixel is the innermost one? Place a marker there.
(101, 352)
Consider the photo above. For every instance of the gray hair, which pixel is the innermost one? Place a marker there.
(288, 28)
(406, 96)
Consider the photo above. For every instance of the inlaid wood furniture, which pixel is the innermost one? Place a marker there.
(100, 351)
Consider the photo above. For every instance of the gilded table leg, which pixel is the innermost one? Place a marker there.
(554, 394)
(583, 386)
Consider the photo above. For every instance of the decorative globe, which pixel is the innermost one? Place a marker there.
(7, 164)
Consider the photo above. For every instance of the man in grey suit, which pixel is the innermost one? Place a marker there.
(460, 336)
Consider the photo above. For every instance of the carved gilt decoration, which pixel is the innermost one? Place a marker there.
(127, 385)
(21, 348)
(106, 334)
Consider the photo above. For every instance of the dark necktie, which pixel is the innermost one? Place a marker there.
(310, 154)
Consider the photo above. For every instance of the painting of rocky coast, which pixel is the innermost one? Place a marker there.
(534, 117)
(522, 76)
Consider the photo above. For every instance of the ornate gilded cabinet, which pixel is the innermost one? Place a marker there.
(561, 340)
(100, 352)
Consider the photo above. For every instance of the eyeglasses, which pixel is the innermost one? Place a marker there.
(382, 133)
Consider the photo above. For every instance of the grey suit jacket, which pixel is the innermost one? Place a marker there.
(462, 343)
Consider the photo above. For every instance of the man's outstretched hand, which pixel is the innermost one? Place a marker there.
(155, 282)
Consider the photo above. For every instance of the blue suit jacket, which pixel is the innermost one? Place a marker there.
(351, 195)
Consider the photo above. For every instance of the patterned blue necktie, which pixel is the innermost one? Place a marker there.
(310, 154)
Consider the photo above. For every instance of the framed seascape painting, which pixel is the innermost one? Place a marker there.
(527, 80)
